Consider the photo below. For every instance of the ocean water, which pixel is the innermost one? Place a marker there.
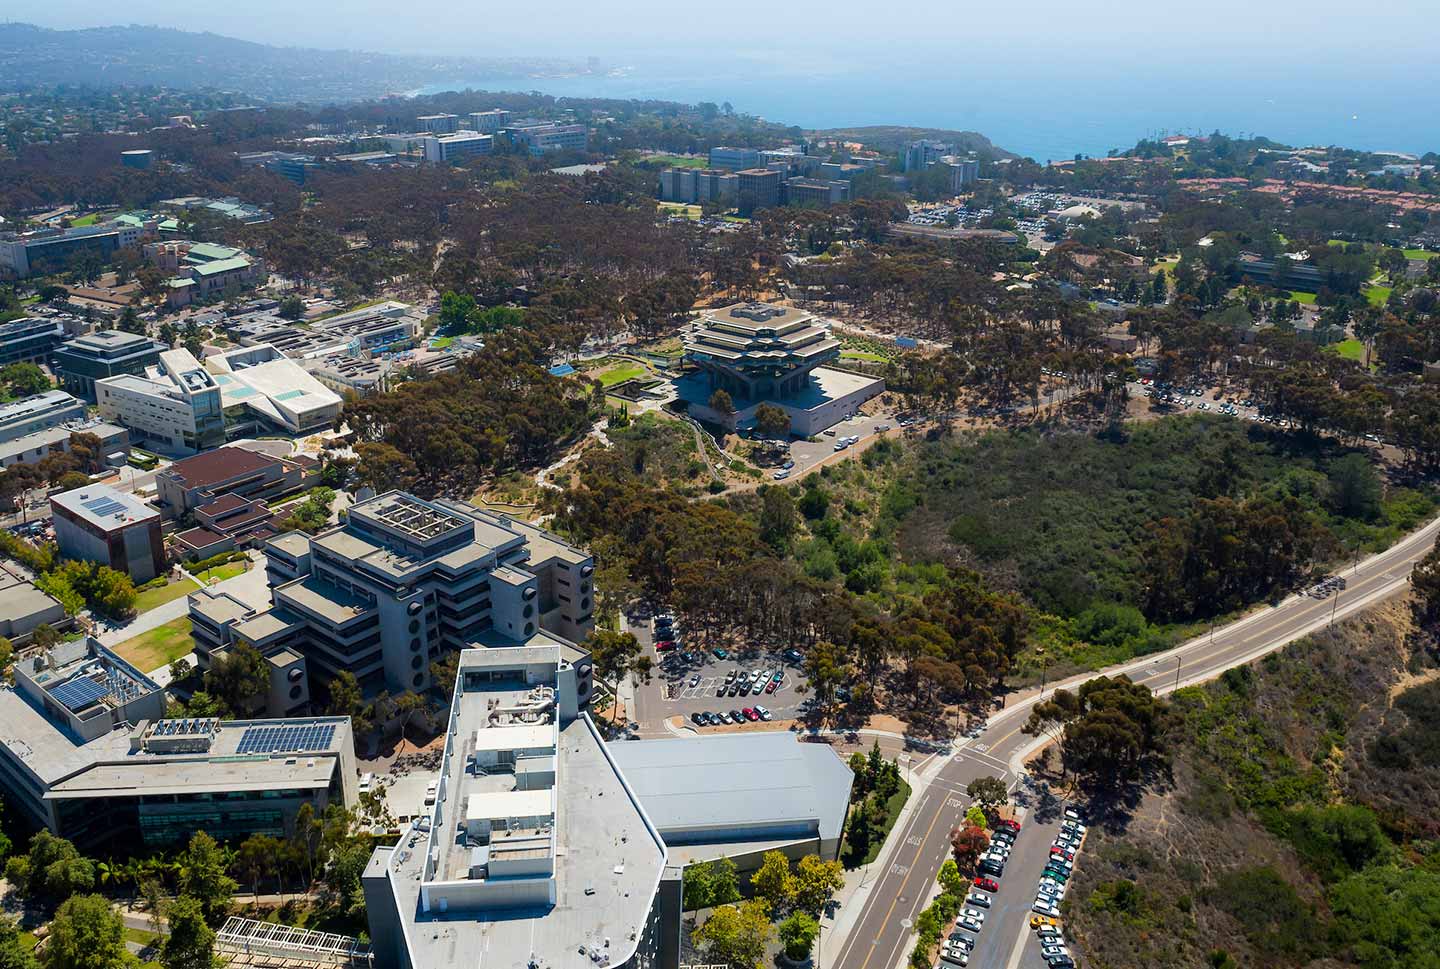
(1047, 108)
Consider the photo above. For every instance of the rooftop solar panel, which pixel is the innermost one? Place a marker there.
(280, 739)
(104, 506)
(79, 693)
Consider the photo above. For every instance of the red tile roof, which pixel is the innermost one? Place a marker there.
(217, 466)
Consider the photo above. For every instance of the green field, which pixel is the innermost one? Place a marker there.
(1377, 295)
(441, 342)
(680, 208)
(1350, 350)
(1302, 297)
(159, 647)
(1422, 254)
(862, 355)
(151, 598)
(621, 373)
(220, 573)
(84, 220)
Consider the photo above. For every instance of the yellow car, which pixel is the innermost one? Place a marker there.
(1040, 921)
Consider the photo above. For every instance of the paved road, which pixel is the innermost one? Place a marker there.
(882, 936)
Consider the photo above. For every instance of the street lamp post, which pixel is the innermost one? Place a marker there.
(1177, 667)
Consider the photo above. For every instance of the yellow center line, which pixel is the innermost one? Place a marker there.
(896, 900)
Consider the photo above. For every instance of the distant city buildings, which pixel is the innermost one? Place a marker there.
(137, 158)
(31, 339)
(699, 185)
(925, 154)
(448, 149)
(40, 251)
(758, 188)
(438, 124)
(734, 159)
(489, 122)
(543, 137)
(204, 270)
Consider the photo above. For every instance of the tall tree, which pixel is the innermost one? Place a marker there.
(87, 933)
(190, 943)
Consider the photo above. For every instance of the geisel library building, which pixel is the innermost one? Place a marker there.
(549, 848)
(759, 353)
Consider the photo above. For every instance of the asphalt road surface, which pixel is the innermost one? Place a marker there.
(882, 935)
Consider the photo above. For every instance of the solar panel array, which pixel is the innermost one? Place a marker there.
(104, 506)
(79, 693)
(273, 740)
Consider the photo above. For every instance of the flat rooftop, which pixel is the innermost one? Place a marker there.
(766, 781)
(608, 859)
(104, 507)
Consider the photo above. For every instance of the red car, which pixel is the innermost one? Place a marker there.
(664, 645)
(750, 714)
(770, 687)
(1011, 823)
(1062, 853)
(987, 884)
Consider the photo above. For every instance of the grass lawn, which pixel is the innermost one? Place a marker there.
(619, 374)
(680, 208)
(158, 647)
(861, 355)
(151, 598)
(84, 220)
(1421, 254)
(441, 342)
(140, 936)
(1350, 350)
(1377, 295)
(221, 572)
(1302, 297)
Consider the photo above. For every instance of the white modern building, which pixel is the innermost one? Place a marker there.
(448, 149)
(175, 407)
(262, 390)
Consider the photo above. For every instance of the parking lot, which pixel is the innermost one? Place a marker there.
(688, 679)
(806, 454)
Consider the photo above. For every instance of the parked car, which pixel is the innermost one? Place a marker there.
(720, 654)
(988, 884)
(695, 680)
(764, 713)
(782, 474)
(771, 686)
(978, 899)
(698, 719)
(794, 655)
(1037, 921)
(968, 923)
(664, 645)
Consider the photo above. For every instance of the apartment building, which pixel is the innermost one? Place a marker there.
(87, 752)
(97, 523)
(95, 356)
(403, 580)
(175, 407)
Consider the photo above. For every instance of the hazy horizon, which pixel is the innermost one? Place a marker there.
(1089, 81)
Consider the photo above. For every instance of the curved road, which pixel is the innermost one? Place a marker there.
(881, 935)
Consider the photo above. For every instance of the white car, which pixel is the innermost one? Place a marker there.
(367, 781)
(978, 898)
(969, 923)
(973, 913)
(1045, 908)
(1054, 950)
(782, 474)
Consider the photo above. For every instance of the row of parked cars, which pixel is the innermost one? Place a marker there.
(753, 714)
(1054, 881)
(955, 950)
(749, 683)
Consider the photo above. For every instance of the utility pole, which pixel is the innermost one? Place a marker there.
(1177, 664)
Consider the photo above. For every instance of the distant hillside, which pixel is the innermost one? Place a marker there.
(895, 137)
(138, 55)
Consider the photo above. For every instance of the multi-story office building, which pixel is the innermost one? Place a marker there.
(438, 124)
(38, 445)
(32, 339)
(448, 149)
(403, 580)
(204, 270)
(694, 185)
(489, 122)
(542, 137)
(923, 154)
(758, 188)
(96, 523)
(38, 413)
(52, 250)
(82, 361)
(86, 752)
(815, 192)
(734, 159)
(176, 407)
